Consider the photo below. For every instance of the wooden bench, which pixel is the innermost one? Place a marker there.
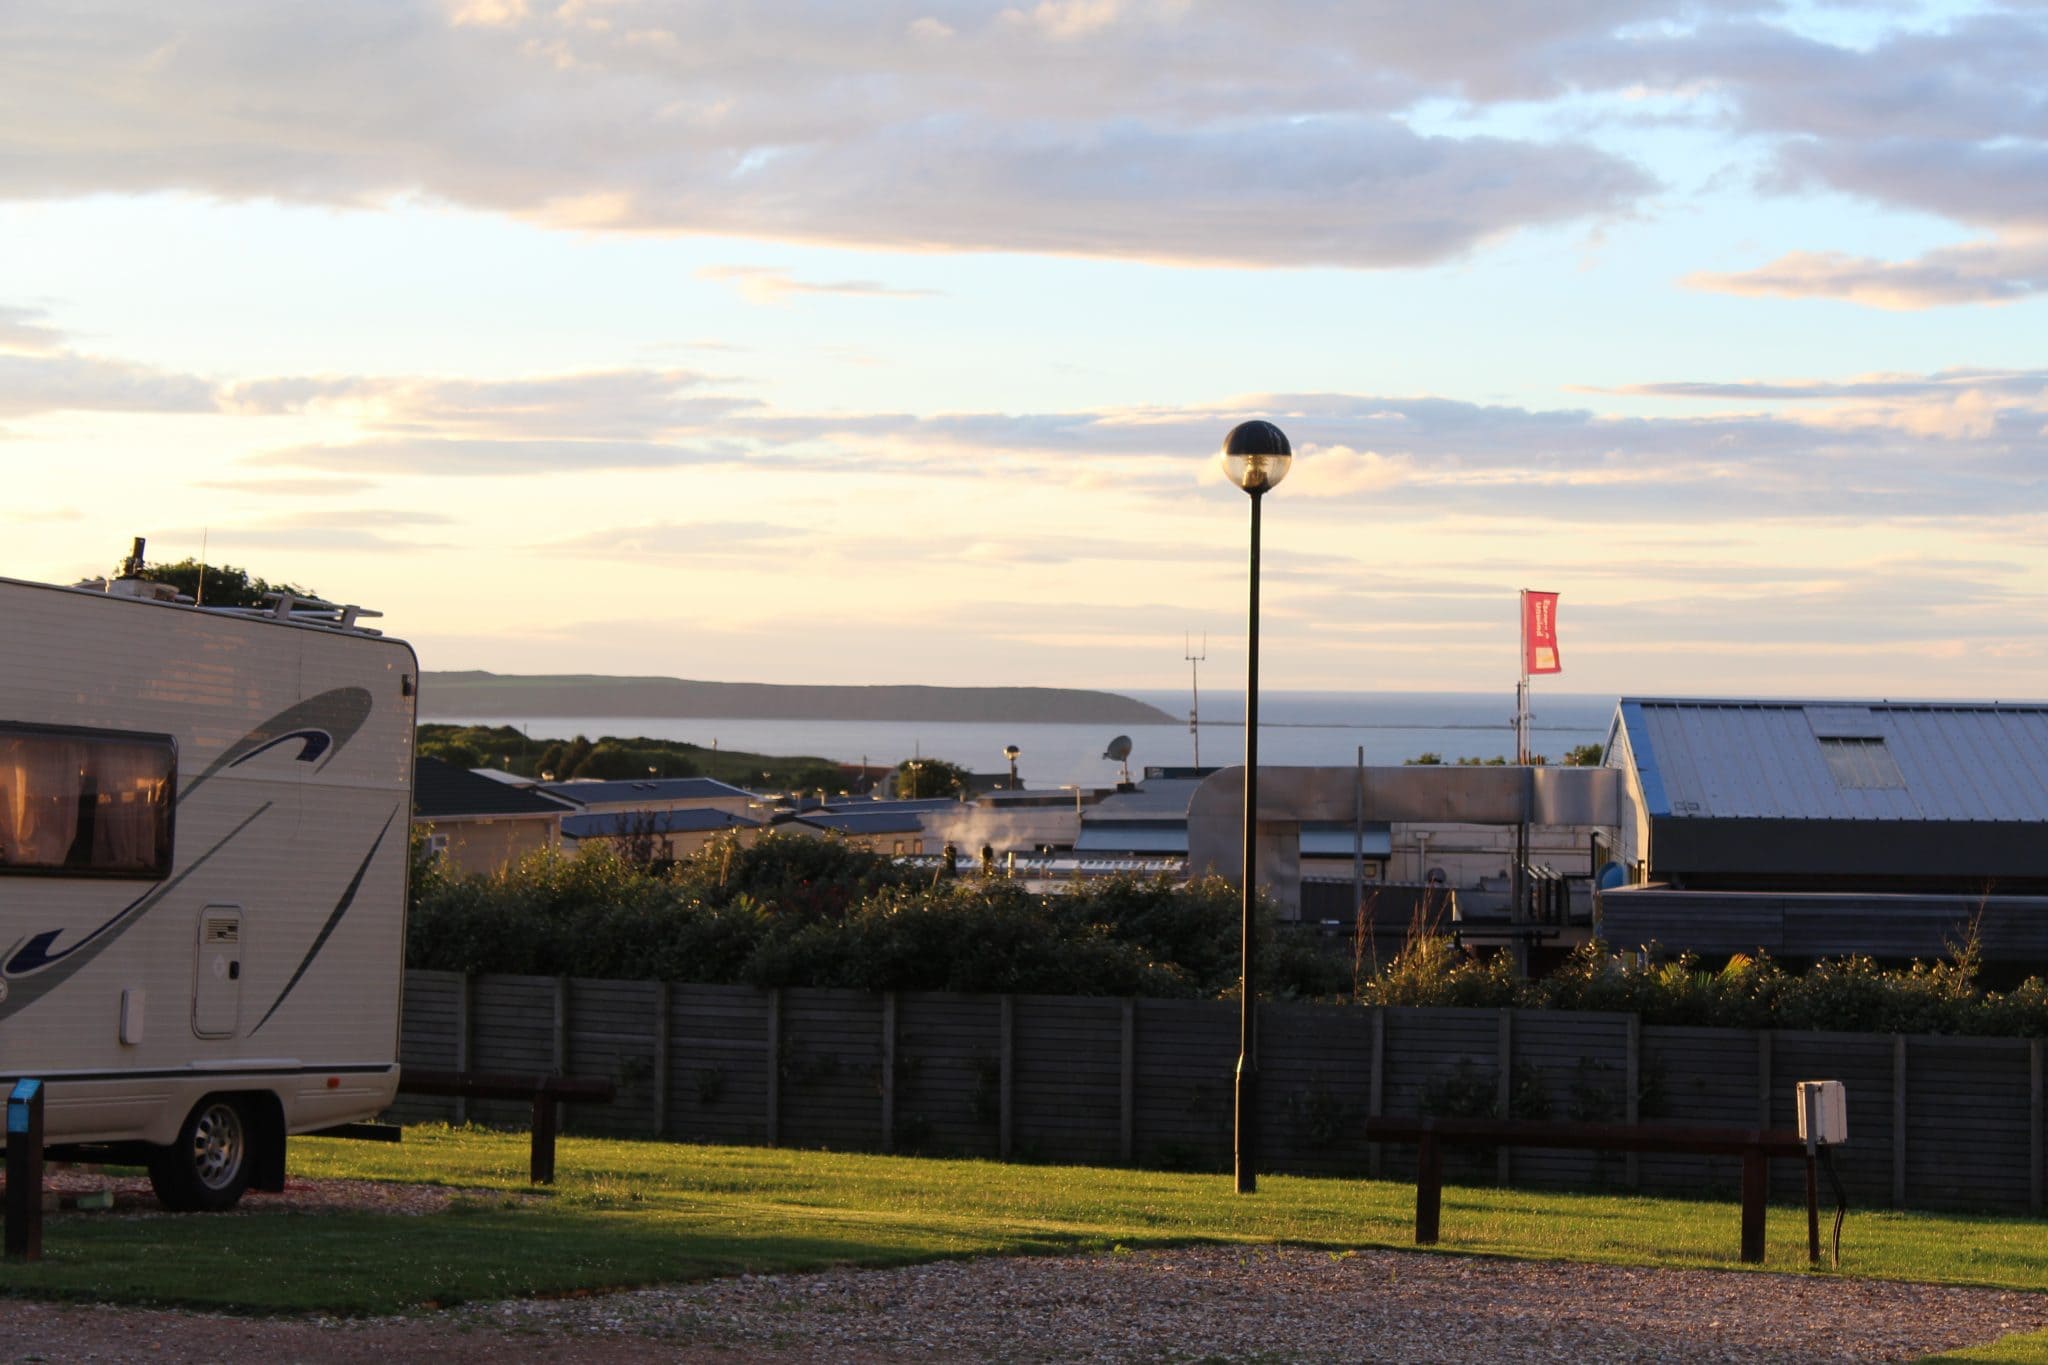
(1756, 1146)
(546, 1093)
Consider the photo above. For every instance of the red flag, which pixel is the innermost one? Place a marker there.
(1539, 632)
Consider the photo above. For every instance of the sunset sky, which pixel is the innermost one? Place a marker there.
(892, 342)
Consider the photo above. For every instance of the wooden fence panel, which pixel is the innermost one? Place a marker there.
(718, 1064)
(948, 1074)
(1969, 1140)
(1316, 1088)
(513, 1031)
(1186, 1063)
(611, 1037)
(1960, 1134)
(1068, 1089)
(1696, 1076)
(1569, 1066)
(1862, 1062)
(831, 1069)
(1441, 1062)
(429, 1038)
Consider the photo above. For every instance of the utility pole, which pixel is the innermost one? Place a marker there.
(1195, 661)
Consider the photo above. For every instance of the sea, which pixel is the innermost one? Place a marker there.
(1311, 729)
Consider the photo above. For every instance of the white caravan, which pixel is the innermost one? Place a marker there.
(203, 850)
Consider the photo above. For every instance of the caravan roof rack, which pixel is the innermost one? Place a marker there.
(307, 611)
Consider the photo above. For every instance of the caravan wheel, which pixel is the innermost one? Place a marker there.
(208, 1167)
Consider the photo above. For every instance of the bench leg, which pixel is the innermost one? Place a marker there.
(542, 1169)
(1755, 1185)
(1429, 1190)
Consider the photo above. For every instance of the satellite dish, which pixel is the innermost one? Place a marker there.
(1119, 751)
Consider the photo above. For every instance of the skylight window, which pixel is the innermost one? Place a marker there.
(1862, 763)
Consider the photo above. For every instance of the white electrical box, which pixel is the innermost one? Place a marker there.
(1823, 1113)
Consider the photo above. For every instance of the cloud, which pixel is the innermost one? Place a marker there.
(353, 528)
(22, 330)
(61, 381)
(771, 284)
(290, 488)
(680, 542)
(430, 455)
(1339, 471)
(1978, 272)
(1053, 127)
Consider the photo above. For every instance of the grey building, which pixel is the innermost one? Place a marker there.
(1817, 828)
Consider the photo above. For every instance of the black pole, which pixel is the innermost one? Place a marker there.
(1245, 1119)
(24, 1235)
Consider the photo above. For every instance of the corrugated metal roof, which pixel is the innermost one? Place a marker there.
(1132, 836)
(1771, 759)
(442, 791)
(1157, 796)
(651, 789)
(627, 823)
(863, 821)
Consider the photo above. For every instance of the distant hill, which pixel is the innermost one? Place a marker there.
(500, 695)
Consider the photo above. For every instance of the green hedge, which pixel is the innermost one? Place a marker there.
(1853, 994)
(795, 911)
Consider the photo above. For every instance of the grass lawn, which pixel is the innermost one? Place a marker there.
(637, 1213)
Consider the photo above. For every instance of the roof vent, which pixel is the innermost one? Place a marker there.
(1861, 764)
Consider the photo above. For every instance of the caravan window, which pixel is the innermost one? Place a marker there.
(85, 803)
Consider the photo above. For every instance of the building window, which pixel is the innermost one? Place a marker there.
(1862, 763)
(85, 803)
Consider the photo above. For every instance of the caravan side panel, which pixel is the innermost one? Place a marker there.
(268, 955)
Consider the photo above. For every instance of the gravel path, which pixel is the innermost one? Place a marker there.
(1195, 1304)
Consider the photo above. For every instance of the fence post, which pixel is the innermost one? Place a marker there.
(774, 1054)
(465, 1036)
(2034, 1127)
(661, 1062)
(888, 1071)
(1504, 1094)
(1127, 1129)
(1898, 1120)
(1375, 1100)
(1632, 1112)
(1006, 1074)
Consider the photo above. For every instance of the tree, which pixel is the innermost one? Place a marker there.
(226, 585)
(1585, 755)
(1431, 759)
(917, 778)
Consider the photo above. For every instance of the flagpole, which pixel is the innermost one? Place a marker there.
(1522, 685)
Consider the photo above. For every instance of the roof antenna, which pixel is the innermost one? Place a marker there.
(1194, 661)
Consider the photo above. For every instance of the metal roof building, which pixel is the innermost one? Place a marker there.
(1891, 795)
(1816, 828)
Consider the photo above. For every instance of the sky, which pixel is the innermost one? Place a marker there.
(893, 342)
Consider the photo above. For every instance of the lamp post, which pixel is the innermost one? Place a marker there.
(1256, 457)
(1010, 751)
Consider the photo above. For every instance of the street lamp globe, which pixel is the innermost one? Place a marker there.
(1256, 456)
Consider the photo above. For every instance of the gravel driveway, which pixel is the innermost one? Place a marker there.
(1194, 1304)
(1261, 1304)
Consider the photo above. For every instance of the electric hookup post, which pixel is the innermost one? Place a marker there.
(1823, 1126)
(25, 1171)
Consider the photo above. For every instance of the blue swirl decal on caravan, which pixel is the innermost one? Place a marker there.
(322, 725)
(325, 723)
